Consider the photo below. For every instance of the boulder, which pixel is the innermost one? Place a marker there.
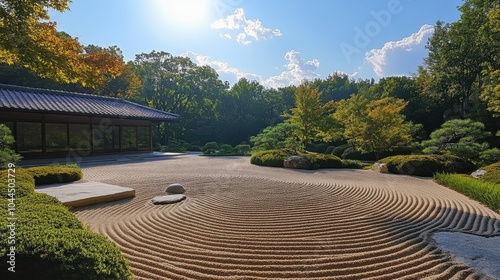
(380, 167)
(168, 199)
(175, 189)
(297, 162)
(478, 174)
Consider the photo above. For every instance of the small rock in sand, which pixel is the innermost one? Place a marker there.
(175, 189)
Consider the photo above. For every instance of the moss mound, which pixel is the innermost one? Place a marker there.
(427, 165)
(272, 158)
(493, 174)
(324, 161)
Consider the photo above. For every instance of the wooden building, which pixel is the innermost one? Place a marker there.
(50, 123)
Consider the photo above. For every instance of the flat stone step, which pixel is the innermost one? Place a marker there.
(79, 194)
(168, 199)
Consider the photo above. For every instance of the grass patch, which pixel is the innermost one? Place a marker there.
(484, 192)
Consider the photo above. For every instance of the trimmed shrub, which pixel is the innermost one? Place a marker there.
(324, 161)
(493, 174)
(329, 150)
(273, 158)
(427, 165)
(226, 149)
(210, 146)
(55, 174)
(242, 149)
(24, 183)
(48, 253)
(51, 243)
(338, 151)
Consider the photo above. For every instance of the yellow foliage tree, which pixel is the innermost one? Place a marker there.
(373, 126)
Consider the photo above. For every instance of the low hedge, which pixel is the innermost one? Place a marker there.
(493, 174)
(55, 174)
(50, 242)
(23, 180)
(427, 165)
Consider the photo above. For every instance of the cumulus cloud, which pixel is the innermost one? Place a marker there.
(397, 58)
(221, 67)
(246, 29)
(296, 70)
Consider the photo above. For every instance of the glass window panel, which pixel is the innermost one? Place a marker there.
(29, 137)
(56, 137)
(79, 137)
(116, 137)
(143, 137)
(104, 137)
(129, 138)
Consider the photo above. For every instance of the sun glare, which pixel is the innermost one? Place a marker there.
(183, 13)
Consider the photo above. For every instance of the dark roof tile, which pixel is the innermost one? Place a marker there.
(54, 101)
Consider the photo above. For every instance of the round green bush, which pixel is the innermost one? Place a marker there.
(324, 161)
(338, 151)
(272, 158)
(329, 150)
(427, 165)
(211, 146)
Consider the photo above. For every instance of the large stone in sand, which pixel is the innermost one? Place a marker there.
(175, 189)
(380, 167)
(168, 199)
(297, 162)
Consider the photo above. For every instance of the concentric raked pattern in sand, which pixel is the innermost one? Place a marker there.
(248, 222)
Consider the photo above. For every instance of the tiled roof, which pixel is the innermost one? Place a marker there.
(53, 101)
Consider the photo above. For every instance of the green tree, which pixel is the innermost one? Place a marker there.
(310, 115)
(275, 137)
(459, 53)
(7, 154)
(177, 85)
(373, 126)
(458, 137)
(490, 34)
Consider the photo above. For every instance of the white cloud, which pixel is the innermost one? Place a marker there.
(246, 29)
(296, 70)
(397, 58)
(221, 67)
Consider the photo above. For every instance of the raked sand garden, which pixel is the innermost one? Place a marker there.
(242, 221)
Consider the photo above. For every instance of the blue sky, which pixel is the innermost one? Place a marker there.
(275, 42)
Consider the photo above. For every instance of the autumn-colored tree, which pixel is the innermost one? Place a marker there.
(28, 38)
(373, 126)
